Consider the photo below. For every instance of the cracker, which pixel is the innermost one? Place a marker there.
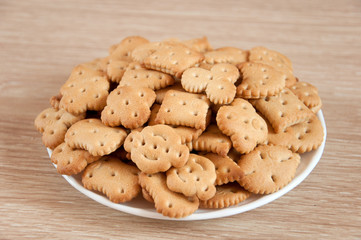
(116, 70)
(128, 106)
(53, 124)
(227, 170)
(55, 101)
(276, 60)
(141, 77)
(86, 89)
(140, 53)
(229, 55)
(167, 202)
(226, 195)
(156, 149)
(213, 140)
(268, 168)
(96, 138)
(195, 178)
(308, 94)
(302, 137)
(184, 109)
(259, 80)
(173, 59)
(109, 175)
(187, 134)
(242, 124)
(71, 161)
(123, 50)
(218, 83)
(283, 110)
(198, 44)
(234, 154)
(147, 196)
(161, 92)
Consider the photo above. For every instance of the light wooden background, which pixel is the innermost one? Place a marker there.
(40, 42)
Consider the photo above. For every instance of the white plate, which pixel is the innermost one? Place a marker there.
(140, 207)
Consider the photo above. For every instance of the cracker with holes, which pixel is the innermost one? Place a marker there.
(71, 161)
(173, 59)
(184, 109)
(116, 70)
(195, 178)
(53, 124)
(213, 140)
(167, 202)
(128, 106)
(142, 77)
(308, 94)
(302, 137)
(226, 195)
(218, 83)
(161, 92)
(156, 149)
(227, 170)
(124, 49)
(187, 134)
(86, 89)
(242, 124)
(55, 101)
(276, 60)
(229, 55)
(283, 110)
(92, 135)
(259, 80)
(109, 175)
(268, 168)
(198, 44)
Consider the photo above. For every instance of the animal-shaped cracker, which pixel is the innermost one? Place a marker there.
(308, 94)
(268, 168)
(86, 89)
(196, 178)
(156, 149)
(53, 124)
(230, 55)
(71, 161)
(259, 80)
(128, 106)
(109, 175)
(283, 110)
(142, 77)
(302, 137)
(213, 140)
(184, 109)
(92, 135)
(218, 83)
(173, 59)
(167, 202)
(242, 124)
(227, 170)
(276, 60)
(226, 195)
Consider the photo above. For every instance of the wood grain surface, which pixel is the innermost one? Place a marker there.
(40, 42)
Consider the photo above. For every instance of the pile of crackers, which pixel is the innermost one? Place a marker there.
(184, 125)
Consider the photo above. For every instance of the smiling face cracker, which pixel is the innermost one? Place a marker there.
(218, 83)
(242, 124)
(86, 89)
(117, 180)
(184, 109)
(71, 161)
(268, 168)
(259, 80)
(128, 106)
(96, 138)
(156, 149)
(53, 124)
(196, 178)
(167, 202)
(283, 110)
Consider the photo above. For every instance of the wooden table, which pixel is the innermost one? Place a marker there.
(40, 42)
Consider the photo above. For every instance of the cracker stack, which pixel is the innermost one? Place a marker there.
(187, 125)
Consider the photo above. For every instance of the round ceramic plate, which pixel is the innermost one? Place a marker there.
(141, 207)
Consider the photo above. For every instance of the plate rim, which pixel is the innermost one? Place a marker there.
(216, 213)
